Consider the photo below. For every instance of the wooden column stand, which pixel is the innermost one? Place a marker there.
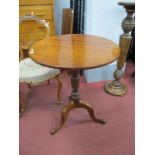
(116, 87)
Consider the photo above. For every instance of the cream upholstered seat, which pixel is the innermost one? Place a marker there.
(32, 73)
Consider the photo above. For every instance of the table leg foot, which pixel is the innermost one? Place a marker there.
(90, 110)
(64, 115)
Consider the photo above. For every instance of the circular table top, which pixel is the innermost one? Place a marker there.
(74, 51)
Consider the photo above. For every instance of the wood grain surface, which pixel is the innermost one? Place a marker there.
(74, 51)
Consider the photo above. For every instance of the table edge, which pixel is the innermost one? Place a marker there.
(74, 68)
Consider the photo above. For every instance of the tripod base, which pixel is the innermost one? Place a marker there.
(72, 105)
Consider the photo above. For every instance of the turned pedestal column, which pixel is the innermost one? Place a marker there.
(116, 87)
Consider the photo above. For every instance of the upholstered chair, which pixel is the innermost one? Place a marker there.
(31, 72)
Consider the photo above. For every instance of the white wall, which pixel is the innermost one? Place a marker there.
(103, 18)
(58, 11)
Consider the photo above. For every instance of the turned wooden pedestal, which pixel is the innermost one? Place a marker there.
(116, 87)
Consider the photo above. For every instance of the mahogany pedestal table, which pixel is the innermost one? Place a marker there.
(74, 52)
